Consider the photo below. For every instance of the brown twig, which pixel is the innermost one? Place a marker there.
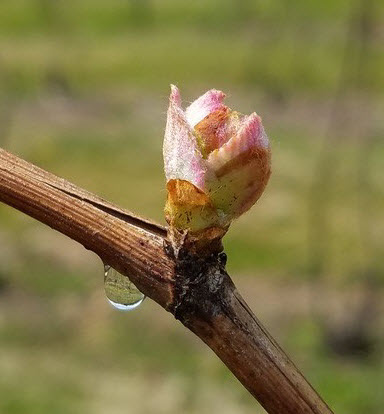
(197, 290)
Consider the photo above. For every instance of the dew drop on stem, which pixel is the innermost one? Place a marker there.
(121, 293)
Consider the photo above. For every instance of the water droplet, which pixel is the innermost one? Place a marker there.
(120, 291)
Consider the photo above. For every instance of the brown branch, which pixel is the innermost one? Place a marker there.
(198, 291)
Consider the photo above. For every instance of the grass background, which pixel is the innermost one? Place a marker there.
(83, 93)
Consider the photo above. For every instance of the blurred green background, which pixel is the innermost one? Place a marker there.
(84, 90)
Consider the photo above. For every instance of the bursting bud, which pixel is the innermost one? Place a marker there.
(217, 164)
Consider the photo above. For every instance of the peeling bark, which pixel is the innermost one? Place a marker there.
(194, 287)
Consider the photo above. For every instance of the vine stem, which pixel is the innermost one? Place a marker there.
(196, 289)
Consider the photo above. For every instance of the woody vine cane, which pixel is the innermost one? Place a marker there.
(185, 271)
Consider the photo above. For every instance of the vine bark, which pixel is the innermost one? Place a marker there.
(196, 289)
